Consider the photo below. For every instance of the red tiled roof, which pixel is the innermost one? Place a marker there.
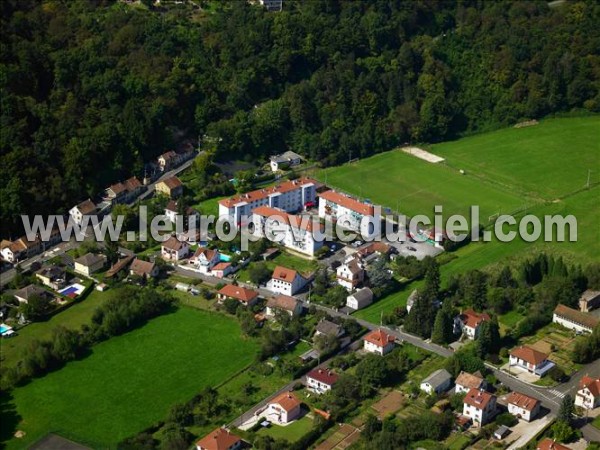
(287, 400)
(172, 182)
(207, 252)
(284, 274)
(168, 155)
(219, 439)
(469, 380)
(575, 316)
(132, 184)
(238, 292)
(283, 302)
(379, 247)
(86, 207)
(259, 194)
(348, 202)
(549, 444)
(529, 355)
(478, 398)
(324, 376)
(117, 188)
(221, 266)
(522, 401)
(592, 384)
(141, 267)
(379, 338)
(473, 319)
(301, 222)
(173, 243)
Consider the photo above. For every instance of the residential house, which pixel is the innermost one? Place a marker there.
(589, 300)
(328, 328)
(297, 233)
(124, 192)
(467, 381)
(144, 269)
(174, 250)
(246, 297)
(468, 322)
(374, 250)
(272, 6)
(22, 248)
(286, 281)
(551, 444)
(205, 259)
(167, 160)
(320, 381)
(220, 439)
(284, 408)
(85, 208)
(360, 299)
(89, 264)
(171, 187)
(121, 264)
(437, 382)
(479, 406)
(289, 196)
(172, 210)
(221, 269)
(350, 213)
(378, 342)
(287, 159)
(350, 274)
(523, 407)
(24, 294)
(573, 319)
(588, 394)
(530, 359)
(54, 277)
(285, 304)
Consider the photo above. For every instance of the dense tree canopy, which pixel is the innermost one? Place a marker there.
(93, 89)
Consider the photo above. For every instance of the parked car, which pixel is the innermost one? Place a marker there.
(412, 249)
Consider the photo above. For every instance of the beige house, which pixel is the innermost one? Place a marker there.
(54, 277)
(174, 250)
(284, 408)
(285, 304)
(171, 187)
(89, 263)
(144, 269)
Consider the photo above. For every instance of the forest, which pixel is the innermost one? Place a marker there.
(93, 89)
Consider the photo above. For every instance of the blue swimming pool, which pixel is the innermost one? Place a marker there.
(224, 258)
(4, 328)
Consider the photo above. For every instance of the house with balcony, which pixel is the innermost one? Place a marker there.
(350, 214)
(479, 406)
(588, 394)
(531, 360)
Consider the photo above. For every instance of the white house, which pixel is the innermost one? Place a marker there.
(378, 342)
(469, 322)
(172, 209)
(272, 5)
(588, 394)
(174, 250)
(283, 303)
(287, 159)
(284, 408)
(297, 233)
(320, 381)
(289, 196)
(523, 407)
(205, 259)
(220, 439)
(350, 274)
(85, 208)
(529, 359)
(286, 281)
(438, 382)
(467, 381)
(246, 297)
(89, 263)
(479, 406)
(574, 320)
(221, 269)
(360, 299)
(350, 214)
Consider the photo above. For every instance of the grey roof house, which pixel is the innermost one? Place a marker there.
(438, 382)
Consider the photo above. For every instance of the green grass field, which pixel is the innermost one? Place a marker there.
(292, 432)
(130, 382)
(548, 160)
(299, 263)
(387, 304)
(73, 317)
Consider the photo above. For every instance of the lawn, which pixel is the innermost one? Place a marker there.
(457, 441)
(209, 207)
(303, 265)
(510, 319)
(131, 381)
(73, 317)
(292, 432)
(387, 304)
(548, 160)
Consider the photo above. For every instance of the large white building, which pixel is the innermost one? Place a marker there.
(298, 233)
(286, 281)
(573, 319)
(290, 196)
(351, 214)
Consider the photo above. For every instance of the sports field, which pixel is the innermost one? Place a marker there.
(504, 170)
(129, 382)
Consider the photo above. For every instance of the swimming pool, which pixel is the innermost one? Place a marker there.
(4, 328)
(224, 258)
(72, 291)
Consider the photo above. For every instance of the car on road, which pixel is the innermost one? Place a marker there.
(412, 249)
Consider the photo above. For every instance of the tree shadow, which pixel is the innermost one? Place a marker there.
(9, 417)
